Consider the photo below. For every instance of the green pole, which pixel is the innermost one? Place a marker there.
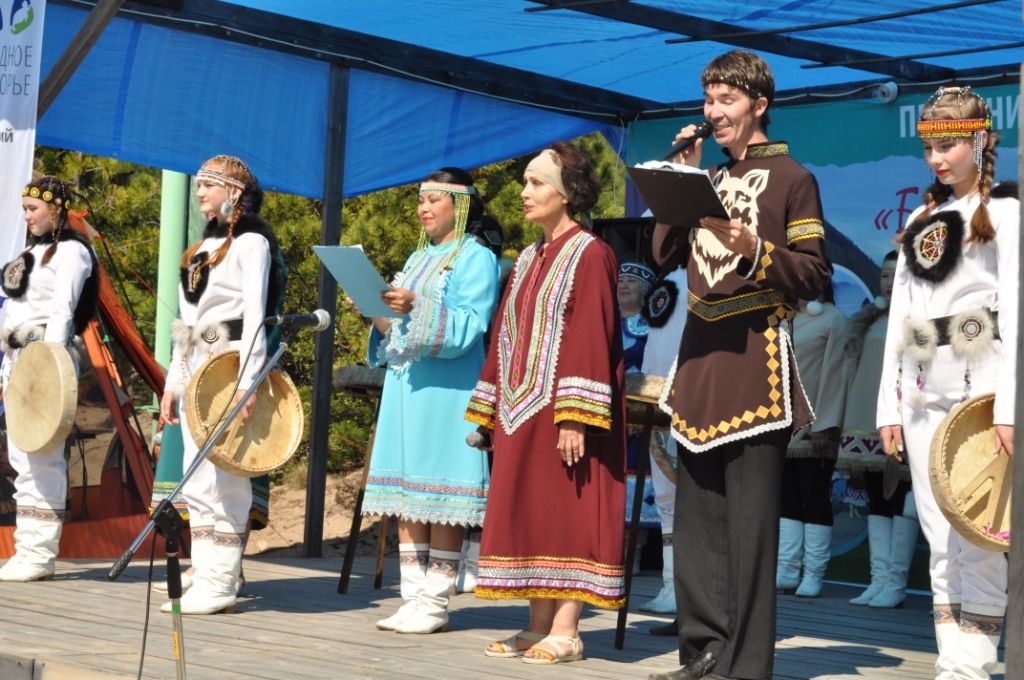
(174, 204)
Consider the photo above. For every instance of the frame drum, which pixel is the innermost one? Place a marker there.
(248, 448)
(41, 397)
(969, 478)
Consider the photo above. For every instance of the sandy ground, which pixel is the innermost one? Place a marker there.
(284, 536)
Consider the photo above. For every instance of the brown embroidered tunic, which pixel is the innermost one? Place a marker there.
(735, 376)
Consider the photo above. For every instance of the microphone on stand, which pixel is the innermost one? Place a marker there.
(318, 320)
(704, 128)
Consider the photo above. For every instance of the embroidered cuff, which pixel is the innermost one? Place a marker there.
(585, 401)
(482, 404)
(750, 265)
(799, 230)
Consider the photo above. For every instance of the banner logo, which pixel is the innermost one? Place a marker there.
(22, 16)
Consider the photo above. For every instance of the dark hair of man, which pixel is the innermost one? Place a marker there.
(746, 72)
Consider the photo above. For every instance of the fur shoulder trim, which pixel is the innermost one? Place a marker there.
(932, 247)
(88, 300)
(16, 275)
(248, 224)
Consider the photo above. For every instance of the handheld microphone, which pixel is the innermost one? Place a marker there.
(704, 128)
(479, 440)
(318, 320)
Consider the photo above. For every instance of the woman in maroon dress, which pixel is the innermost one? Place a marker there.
(551, 391)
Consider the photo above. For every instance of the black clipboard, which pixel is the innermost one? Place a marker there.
(678, 198)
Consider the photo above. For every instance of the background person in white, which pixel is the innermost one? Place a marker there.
(665, 330)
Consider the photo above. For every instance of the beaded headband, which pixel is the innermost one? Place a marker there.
(933, 128)
(219, 179)
(460, 194)
(45, 195)
(952, 127)
(446, 188)
(739, 85)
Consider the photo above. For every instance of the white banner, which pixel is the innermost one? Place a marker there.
(21, 42)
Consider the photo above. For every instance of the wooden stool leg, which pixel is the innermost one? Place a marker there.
(357, 517)
(642, 465)
(382, 546)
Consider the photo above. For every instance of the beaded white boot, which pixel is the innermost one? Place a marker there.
(412, 567)
(36, 543)
(430, 613)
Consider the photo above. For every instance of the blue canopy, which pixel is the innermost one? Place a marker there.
(451, 82)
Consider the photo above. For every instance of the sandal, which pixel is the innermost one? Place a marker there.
(555, 649)
(508, 649)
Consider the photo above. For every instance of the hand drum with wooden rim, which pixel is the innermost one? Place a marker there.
(970, 480)
(255, 446)
(41, 397)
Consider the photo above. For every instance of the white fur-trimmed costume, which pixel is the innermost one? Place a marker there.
(236, 288)
(923, 378)
(44, 303)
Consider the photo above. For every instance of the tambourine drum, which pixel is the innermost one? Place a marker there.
(644, 388)
(366, 381)
(41, 397)
(970, 480)
(252, 447)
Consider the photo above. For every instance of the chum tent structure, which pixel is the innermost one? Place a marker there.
(333, 98)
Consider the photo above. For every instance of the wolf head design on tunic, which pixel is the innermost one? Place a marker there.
(739, 196)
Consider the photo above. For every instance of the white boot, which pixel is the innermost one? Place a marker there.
(469, 566)
(791, 550)
(412, 567)
(215, 576)
(978, 654)
(879, 544)
(947, 637)
(817, 550)
(430, 612)
(35, 543)
(665, 601)
(186, 583)
(901, 553)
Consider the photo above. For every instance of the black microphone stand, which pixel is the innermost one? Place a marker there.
(166, 519)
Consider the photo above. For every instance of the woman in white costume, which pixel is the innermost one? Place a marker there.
(231, 281)
(51, 289)
(952, 335)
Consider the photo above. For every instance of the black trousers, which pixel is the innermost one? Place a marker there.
(806, 490)
(726, 537)
(877, 504)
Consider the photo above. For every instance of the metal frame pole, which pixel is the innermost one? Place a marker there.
(323, 364)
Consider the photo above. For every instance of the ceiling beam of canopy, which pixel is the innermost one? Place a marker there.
(373, 53)
(797, 48)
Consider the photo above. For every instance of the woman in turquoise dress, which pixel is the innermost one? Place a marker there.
(421, 469)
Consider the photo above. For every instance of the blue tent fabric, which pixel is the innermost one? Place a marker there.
(169, 97)
(634, 59)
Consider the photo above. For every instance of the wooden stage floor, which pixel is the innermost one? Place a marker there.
(292, 625)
